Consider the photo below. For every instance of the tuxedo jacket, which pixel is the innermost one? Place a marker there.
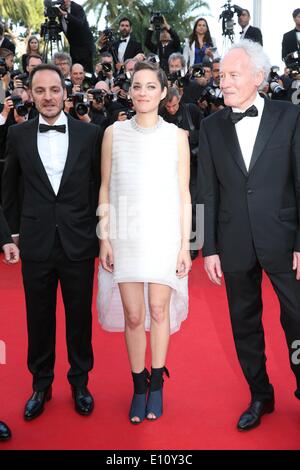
(132, 49)
(72, 212)
(254, 34)
(7, 44)
(250, 215)
(4, 230)
(78, 30)
(289, 43)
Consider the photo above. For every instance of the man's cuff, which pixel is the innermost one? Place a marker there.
(15, 235)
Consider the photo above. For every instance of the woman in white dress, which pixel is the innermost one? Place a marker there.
(145, 217)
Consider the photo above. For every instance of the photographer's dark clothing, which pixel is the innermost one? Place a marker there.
(163, 52)
(80, 37)
(100, 118)
(289, 43)
(254, 34)
(191, 91)
(7, 44)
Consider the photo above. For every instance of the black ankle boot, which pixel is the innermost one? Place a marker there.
(138, 403)
(155, 397)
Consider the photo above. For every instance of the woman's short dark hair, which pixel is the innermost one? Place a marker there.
(161, 76)
(52, 68)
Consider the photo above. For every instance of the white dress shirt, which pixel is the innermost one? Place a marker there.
(247, 129)
(122, 48)
(64, 20)
(53, 149)
(245, 31)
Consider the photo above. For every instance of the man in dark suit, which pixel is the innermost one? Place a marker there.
(5, 43)
(249, 175)
(11, 256)
(58, 158)
(291, 40)
(125, 47)
(76, 28)
(249, 32)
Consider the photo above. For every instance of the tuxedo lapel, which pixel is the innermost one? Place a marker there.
(73, 152)
(269, 120)
(31, 134)
(231, 141)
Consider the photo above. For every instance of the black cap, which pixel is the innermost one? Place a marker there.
(296, 12)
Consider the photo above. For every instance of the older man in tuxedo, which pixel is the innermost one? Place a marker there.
(249, 170)
(11, 256)
(58, 159)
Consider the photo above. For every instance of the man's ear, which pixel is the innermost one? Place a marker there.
(65, 94)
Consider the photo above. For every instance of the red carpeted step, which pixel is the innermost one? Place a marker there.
(203, 398)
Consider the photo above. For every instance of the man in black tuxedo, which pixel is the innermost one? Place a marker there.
(249, 32)
(11, 256)
(291, 40)
(76, 28)
(5, 43)
(58, 158)
(125, 47)
(249, 175)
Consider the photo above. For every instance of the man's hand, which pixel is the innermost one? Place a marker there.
(11, 253)
(7, 106)
(212, 266)
(296, 264)
(62, 12)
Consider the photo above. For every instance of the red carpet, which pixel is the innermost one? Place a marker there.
(203, 398)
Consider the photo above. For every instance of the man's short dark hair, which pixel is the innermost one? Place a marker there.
(296, 12)
(36, 56)
(246, 11)
(50, 67)
(125, 19)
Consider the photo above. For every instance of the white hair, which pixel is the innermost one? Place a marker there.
(259, 59)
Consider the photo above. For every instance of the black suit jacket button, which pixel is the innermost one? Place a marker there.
(250, 191)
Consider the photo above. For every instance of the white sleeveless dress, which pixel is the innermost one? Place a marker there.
(144, 220)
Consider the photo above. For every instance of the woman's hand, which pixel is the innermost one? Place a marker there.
(106, 255)
(184, 263)
(209, 53)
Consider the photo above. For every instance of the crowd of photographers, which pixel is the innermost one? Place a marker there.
(100, 94)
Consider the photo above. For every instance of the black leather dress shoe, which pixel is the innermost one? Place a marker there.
(251, 417)
(5, 433)
(35, 405)
(194, 254)
(83, 400)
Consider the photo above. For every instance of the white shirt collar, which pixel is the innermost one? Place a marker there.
(61, 119)
(258, 102)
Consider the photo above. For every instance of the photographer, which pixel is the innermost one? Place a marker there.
(169, 41)
(21, 80)
(64, 62)
(104, 70)
(5, 43)
(249, 32)
(76, 29)
(6, 68)
(186, 116)
(125, 47)
(291, 40)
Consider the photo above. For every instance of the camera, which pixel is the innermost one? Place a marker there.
(123, 80)
(211, 97)
(157, 19)
(178, 78)
(153, 58)
(20, 107)
(109, 34)
(50, 9)
(98, 95)
(23, 77)
(227, 18)
(129, 113)
(198, 71)
(3, 67)
(79, 103)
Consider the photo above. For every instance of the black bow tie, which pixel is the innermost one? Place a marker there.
(242, 32)
(123, 40)
(45, 128)
(250, 112)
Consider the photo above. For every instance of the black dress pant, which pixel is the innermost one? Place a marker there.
(245, 306)
(40, 283)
